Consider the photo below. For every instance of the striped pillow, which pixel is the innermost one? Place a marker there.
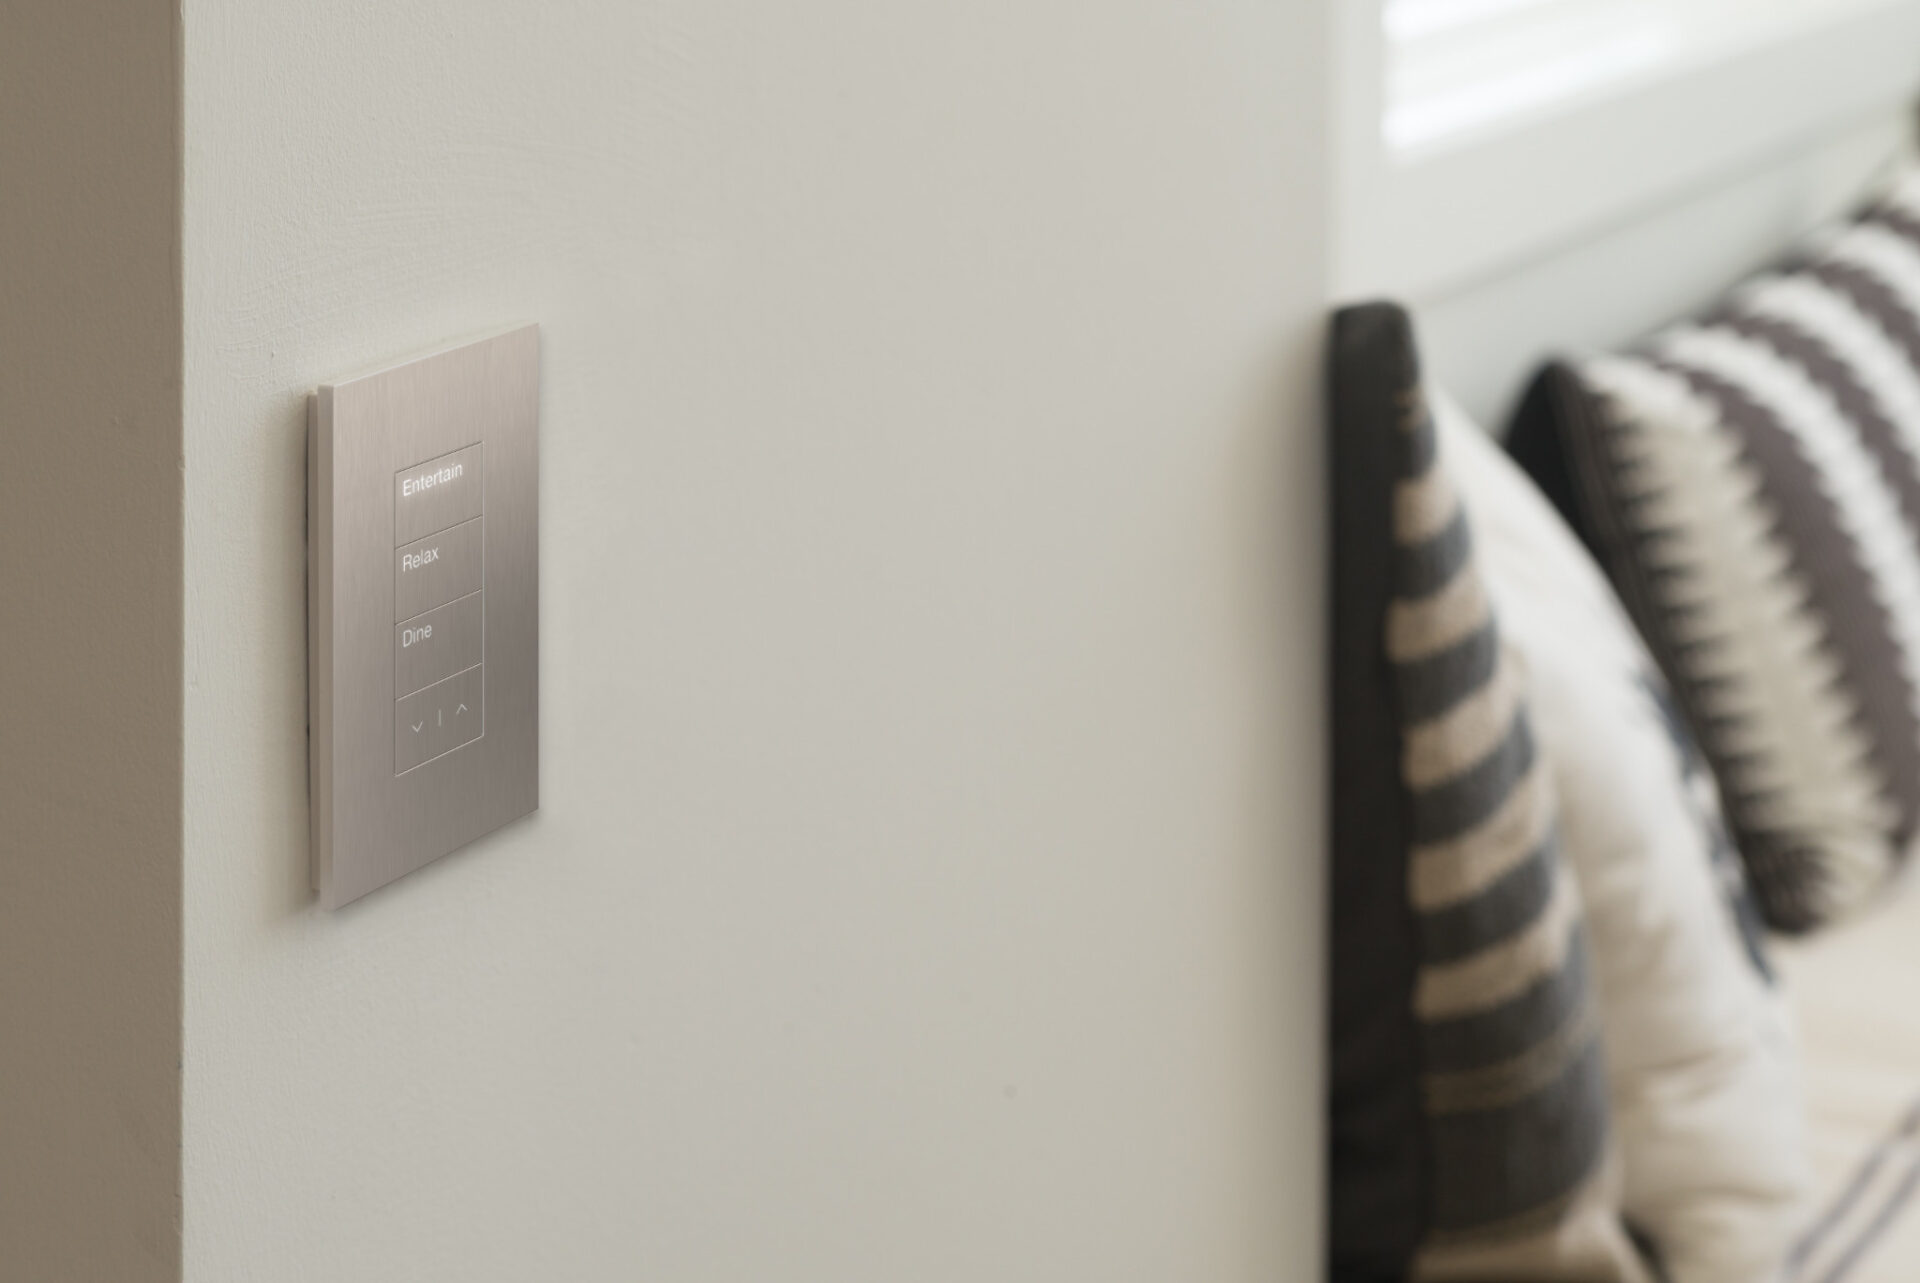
(1751, 481)
(1701, 1063)
(1484, 1010)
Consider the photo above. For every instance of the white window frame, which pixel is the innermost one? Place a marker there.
(1417, 222)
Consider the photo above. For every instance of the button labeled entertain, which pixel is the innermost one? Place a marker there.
(438, 719)
(436, 494)
(437, 569)
(437, 644)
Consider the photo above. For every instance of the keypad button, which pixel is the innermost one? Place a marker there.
(431, 496)
(438, 719)
(438, 569)
(437, 644)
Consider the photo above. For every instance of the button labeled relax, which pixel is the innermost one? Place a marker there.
(438, 719)
(437, 569)
(437, 644)
(439, 493)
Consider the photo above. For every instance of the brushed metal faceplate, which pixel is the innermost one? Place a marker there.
(423, 609)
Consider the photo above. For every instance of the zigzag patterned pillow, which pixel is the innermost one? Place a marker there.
(1751, 482)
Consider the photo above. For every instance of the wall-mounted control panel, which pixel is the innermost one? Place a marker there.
(423, 611)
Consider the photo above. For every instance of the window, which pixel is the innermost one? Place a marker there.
(1477, 132)
(1457, 65)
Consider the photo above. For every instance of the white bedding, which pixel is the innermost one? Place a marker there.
(1855, 992)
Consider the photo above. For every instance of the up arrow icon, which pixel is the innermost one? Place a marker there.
(459, 710)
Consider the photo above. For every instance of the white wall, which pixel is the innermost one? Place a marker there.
(1485, 337)
(1583, 222)
(90, 677)
(927, 881)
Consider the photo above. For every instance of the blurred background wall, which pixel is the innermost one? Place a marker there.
(90, 640)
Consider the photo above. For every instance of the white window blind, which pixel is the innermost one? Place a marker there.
(1459, 67)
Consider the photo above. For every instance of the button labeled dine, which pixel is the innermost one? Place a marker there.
(439, 493)
(437, 644)
(437, 569)
(438, 719)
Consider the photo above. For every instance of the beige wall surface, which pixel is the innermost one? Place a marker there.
(90, 627)
(926, 882)
(1486, 339)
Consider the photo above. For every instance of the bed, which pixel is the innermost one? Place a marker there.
(1852, 994)
(1846, 986)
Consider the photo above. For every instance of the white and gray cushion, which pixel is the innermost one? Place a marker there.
(1702, 1066)
(1469, 1119)
(1513, 1078)
(1751, 481)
